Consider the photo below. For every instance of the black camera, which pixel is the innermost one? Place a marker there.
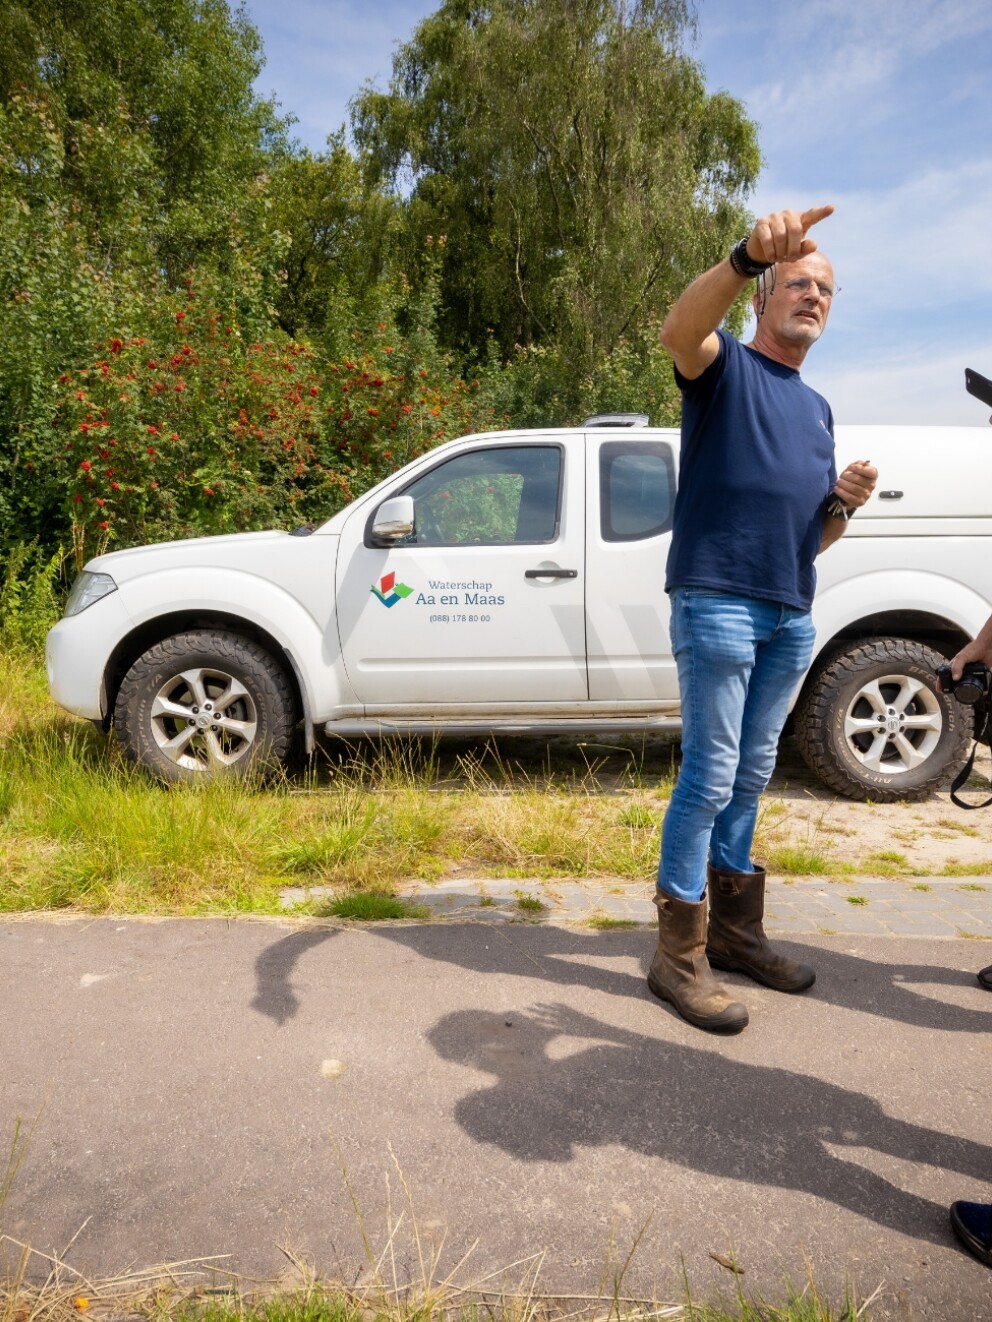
(971, 687)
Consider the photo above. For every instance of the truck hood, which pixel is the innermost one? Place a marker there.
(251, 552)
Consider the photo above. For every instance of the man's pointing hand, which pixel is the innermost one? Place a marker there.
(781, 237)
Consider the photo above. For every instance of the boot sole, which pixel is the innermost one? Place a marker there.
(729, 965)
(709, 1024)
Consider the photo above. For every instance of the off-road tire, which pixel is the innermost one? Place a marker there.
(872, 723)
(205, 703)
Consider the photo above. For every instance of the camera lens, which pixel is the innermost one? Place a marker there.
(969, 689)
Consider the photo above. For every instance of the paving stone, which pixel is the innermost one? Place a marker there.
(948, 908)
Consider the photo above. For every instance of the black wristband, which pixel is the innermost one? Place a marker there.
(743, 263)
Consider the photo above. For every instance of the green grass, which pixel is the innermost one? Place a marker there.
(979, 868)
(887, 863)
(856, 899)
(529, 903)
(321, 1305)
(140, 1294)
(81, 829)
(603, 923)
(799, 861)
(889, 856)
(959, 828)
(639, 816)
(370, 907)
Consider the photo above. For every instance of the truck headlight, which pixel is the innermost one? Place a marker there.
(87, 589)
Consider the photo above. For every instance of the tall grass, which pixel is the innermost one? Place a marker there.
(80, 828)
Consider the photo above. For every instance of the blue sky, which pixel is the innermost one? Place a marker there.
(882, 107)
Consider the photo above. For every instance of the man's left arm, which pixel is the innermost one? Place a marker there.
(853, 488)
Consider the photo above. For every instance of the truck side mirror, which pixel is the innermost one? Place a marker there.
(393, 520)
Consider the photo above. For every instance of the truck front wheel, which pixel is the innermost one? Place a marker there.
(205, 703)
(872, 723)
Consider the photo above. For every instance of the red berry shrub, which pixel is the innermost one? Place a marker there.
(189, 431)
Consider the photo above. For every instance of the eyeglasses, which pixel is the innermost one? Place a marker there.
(800, 284)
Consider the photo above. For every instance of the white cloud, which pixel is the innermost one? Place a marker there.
(839, 66)
(921, 385)
(919, 245)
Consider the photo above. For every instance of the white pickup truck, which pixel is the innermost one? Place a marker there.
(513, 581)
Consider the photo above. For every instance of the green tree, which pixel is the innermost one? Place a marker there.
(133, 154)
(571, 156)
(163, 135)
(341, 235)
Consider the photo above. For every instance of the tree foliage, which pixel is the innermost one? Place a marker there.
(341, 235)
(206, 327)
(194, 428)
(133, 151)
(571, 156)
(161, 132)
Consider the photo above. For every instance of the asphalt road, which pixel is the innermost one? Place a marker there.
(507, 1094)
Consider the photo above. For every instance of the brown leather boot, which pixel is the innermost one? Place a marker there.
(736, 941)
(680, 973)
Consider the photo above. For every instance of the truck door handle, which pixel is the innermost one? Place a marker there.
(551, 573)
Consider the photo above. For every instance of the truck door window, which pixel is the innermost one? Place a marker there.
(498, 496)
(636, 490)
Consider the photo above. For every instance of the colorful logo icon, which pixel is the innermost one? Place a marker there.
(389, 591)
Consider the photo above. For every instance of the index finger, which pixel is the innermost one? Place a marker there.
(814, 215)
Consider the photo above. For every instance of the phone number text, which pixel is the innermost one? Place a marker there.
(460, 619)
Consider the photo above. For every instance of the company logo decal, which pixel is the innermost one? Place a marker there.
(389, 591)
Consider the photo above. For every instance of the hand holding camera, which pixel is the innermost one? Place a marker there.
(971, 687)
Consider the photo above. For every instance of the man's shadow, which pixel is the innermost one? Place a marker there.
(560, 956)
(692, 1107)
(275, 995)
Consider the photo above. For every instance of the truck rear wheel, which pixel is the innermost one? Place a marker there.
(205, 703)
(872, 723)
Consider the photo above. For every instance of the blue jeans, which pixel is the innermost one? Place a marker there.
(739, 660)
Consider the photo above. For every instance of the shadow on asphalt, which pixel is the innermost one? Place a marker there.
(275, 995)
(692, 1106)
(558, 955)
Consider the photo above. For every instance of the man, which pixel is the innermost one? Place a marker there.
(972, 1222)
(980, 649)
(758, 499)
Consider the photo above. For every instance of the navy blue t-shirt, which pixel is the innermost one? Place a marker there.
(757, 463)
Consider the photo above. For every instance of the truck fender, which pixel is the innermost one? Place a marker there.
(894, 591)
(311, 645)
